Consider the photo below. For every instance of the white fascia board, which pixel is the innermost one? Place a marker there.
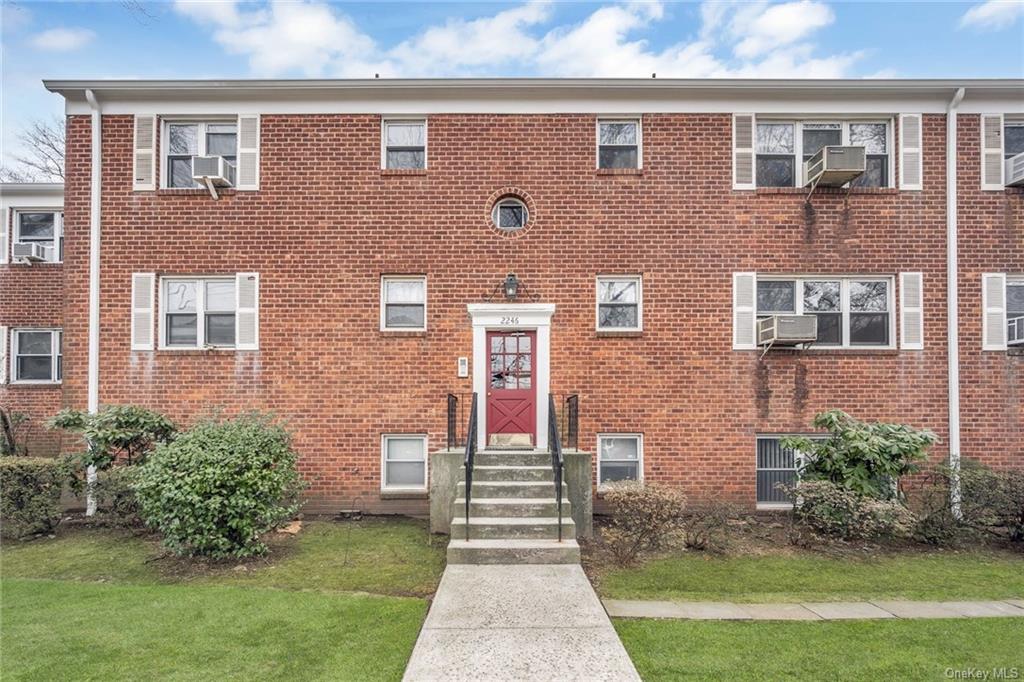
(31, 195)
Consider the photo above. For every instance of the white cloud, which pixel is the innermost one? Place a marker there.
(312, 38)
(62, 39)
(993, 15)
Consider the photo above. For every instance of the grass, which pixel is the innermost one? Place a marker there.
(837, 650)
(61, 630)
(926, 576)
(341, 601)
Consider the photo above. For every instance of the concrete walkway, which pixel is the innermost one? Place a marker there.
(524, 622)
(618, 608)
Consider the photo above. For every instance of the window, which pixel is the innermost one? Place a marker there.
(618, 304)
(45, 228)
(1013, 136)
(510, 215)
(403, 304)
(198, 313)
(620, 457)
(851, 312)
(776, 466)
(37, 356)
(779, 144)
(183, 140)
(404, 462)
(618, 143)
(1015, 312)
(405, 143)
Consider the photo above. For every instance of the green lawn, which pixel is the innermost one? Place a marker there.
(836, 650)
(98, 605)
(928, 576)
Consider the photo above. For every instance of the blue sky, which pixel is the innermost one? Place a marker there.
(315, 38)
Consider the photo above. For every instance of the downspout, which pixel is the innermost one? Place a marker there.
(93, 390)
(952, 302)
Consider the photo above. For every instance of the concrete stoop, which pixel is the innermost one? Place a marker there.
(512, 513)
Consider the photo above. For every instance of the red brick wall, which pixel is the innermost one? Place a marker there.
(328, 222)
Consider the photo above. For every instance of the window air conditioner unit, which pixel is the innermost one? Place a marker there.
(213, 169)
(834, 166)
(30, 251)
(1015, 171)
(787, 330)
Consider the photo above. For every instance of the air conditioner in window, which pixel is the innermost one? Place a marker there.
(1015, 171)
(835, 166)
(30, 251)
(214, 170)
(787, 330)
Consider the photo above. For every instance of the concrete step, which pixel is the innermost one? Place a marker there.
(511, 473)
(516, 551)
(512, 458)
(494, 527)
(511, 489)
(511, 507)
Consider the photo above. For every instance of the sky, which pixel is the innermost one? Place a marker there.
(318, 38)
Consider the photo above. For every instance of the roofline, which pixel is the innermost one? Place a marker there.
(916, 84)
(31, 187)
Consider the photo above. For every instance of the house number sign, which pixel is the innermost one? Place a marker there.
(505, 321)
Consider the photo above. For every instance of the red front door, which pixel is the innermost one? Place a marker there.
(511, 391)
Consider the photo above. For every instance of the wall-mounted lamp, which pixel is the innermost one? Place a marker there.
(511, 287)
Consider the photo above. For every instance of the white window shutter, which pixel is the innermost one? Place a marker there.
(144, 164)
(5, 360)
(744, 310)
(248, 171)
(142, 310)
(911, 152)
(912, 311)
(5, 229)
(993, 304)
(247, 311)
(992, 152)
(743, 129)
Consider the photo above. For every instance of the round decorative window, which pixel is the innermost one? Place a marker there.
(510, 214)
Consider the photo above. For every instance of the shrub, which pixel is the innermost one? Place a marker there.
(992, 501)
(116, 432)
(929, 498)
(14, 428)
(217, 488)
(30, 489)
(116, 502)
(867, 458)
(831, 510)
(703, 527)
(644, 518)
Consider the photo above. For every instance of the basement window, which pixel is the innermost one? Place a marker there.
(620, 457)
(776, 466)
(198, 313)
(36, 356)
(404, 462)
(403, 303)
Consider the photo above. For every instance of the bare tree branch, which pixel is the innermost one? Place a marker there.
(43, 158)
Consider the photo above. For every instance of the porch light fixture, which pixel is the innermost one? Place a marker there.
(511, 287)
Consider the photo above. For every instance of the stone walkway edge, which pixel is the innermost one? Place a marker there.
(863, 610)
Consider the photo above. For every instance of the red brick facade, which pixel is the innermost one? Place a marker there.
(327, 223)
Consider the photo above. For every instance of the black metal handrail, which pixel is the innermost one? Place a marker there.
(568, 415)
(557, 461)
(456, 413)
(470, 454)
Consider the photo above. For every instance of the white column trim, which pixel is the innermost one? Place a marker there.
(508, 317)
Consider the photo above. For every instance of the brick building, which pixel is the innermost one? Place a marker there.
(346, 262)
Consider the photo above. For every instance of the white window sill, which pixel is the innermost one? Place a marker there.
(35, 383)
(765, 506)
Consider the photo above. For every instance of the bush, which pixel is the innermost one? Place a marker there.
(14, 428)
(867, 458)
(644, 518)
(116, 502)
(703, 527)
(992, 501)
(116, 432)
(217, 488)
(831, 510)
(30, 489)
(929, 498)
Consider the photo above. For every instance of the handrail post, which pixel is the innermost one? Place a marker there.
(555, 443)
(470, 453)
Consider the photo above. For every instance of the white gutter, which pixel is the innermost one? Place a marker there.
(93, 391)
(952, 301)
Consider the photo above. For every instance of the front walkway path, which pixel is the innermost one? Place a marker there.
(524, 622)
(618, 608)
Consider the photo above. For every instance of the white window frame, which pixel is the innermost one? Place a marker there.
(844, 121)
(383, 302)
(639, 303)
(639, 456)
(200, 313)
(58, 229)
(844, 283)
(638, 120)
(56, 338)
(385, 120)
(384, 438)
(1018, 281)
(201, 122)
(1009, 121)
